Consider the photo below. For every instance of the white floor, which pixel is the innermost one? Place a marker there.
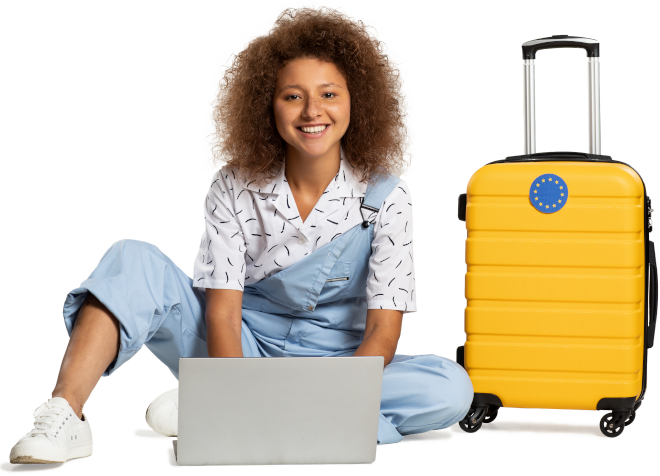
(519, 442)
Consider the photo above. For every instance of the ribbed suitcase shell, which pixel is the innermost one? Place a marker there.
(555, 302)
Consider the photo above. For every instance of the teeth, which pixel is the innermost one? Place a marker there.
(313, 130)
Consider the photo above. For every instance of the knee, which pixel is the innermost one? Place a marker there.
(462, 393)
(128, 243)
(128, 246)
(451, 391)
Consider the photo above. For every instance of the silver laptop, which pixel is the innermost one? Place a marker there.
(278, 410)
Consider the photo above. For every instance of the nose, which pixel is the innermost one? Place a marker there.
(312, 109)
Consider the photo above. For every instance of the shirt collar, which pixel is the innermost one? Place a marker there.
(345, 183)
(273, 186)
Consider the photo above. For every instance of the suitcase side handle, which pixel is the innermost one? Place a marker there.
(653, 296)
(562, 41)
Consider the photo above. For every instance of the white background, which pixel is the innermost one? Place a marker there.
(104, 93)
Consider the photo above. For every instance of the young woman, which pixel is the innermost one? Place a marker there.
(307, 249)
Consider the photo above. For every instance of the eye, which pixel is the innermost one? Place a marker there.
(291, 96)
(329, 95)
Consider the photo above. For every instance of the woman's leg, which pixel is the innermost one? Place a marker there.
(93, 345)
(422, 393)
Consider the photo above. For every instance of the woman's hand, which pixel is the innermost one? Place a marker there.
(381, 334)
(224, 318)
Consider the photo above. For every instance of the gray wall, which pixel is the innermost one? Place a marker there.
(463, 73)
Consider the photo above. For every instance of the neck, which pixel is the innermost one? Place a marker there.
(308, 174)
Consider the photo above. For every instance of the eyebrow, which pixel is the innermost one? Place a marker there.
(297, 86)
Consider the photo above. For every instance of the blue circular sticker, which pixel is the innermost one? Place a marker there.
(548, 193)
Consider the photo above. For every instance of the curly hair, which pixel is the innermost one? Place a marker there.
(245, 132)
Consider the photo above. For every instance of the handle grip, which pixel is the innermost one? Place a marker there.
(561, 41)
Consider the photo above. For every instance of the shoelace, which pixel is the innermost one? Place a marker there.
(45, 416)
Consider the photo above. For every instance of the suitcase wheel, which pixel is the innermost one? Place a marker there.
(612, 424)
(491, 414)
(631, 418)
(473, 420)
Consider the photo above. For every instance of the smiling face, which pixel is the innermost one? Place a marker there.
(312, 107)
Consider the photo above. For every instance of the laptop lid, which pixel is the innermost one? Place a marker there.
(278, 410)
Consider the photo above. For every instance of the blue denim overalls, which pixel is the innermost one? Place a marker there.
(301, 311)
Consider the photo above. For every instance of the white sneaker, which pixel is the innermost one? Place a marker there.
(163, 413)
(58, 435)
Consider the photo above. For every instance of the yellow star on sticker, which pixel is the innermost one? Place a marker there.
(556, 181)
(562, 194)
(547, 206)
(541, 204)
(536, 198)
(534, 191)
(542, 180)
(537, 184)
(561, 186)
(553, 205)
(559, 201)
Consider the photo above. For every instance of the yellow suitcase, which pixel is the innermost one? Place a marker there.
(558, 267)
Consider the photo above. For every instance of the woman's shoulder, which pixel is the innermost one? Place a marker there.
(228, 176)
(401, 189)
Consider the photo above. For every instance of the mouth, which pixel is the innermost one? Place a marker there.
(313, 131)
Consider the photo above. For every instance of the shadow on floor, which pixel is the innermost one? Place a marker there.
(537, 428)
(16, 468)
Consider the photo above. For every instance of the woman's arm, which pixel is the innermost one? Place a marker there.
(381, 334)
(224, 319)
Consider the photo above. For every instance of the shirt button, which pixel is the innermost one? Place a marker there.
(301, 241)
(310, 307)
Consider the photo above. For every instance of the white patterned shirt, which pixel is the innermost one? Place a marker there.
(254, 232)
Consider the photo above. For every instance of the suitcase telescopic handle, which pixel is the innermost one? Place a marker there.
(562, 41)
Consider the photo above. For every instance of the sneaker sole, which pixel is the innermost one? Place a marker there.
(28, 455)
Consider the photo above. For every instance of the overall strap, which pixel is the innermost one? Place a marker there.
(377, 191)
